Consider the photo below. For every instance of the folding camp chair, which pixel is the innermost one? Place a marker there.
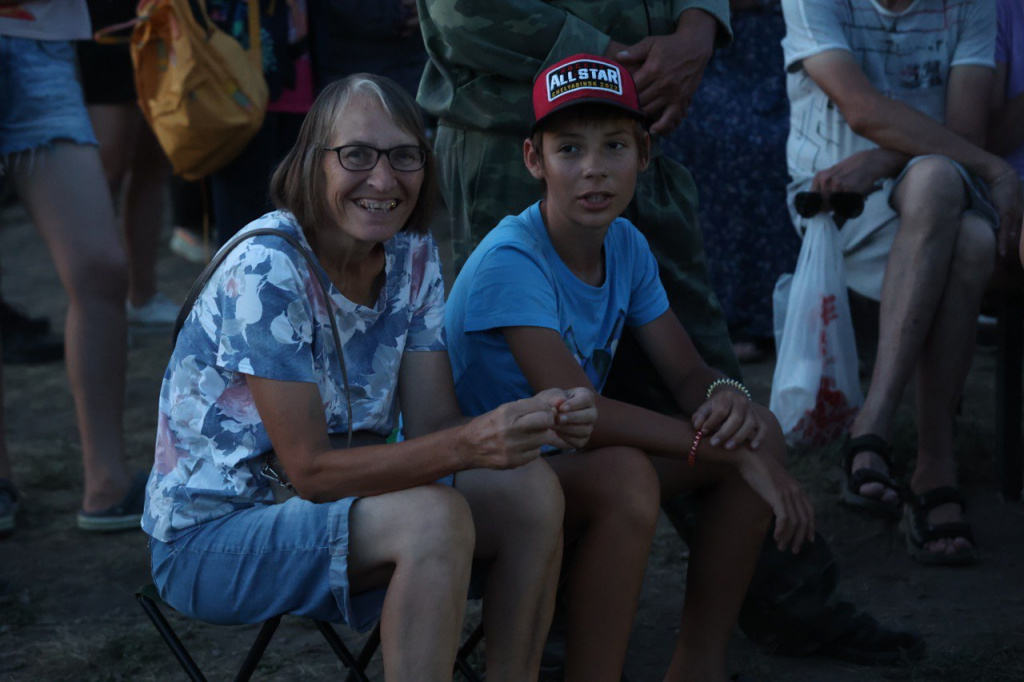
(151, 602)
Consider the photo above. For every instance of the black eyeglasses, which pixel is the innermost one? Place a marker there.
(360, 157)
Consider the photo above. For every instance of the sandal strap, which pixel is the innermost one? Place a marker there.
(935, 497)
(869, 442)
(866, 475)
(946, 531)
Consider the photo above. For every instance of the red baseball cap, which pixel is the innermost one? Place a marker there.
(583, 79)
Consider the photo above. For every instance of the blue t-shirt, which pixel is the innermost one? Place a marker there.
(515, 278)
(263, 314)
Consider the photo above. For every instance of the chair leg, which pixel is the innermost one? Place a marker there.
(252, 659)
(355, 670)
(1009, 398)
(461, 664)
(369, 648)
(175, 645)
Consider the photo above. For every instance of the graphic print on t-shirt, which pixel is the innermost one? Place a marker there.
(596, 362)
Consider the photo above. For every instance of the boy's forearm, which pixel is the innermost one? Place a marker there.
(620, 423)
(657, 434)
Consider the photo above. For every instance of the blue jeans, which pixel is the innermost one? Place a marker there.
(40, 97)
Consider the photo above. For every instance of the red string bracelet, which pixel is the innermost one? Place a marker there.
(693, 448)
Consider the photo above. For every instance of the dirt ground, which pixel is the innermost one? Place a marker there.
(66, 606)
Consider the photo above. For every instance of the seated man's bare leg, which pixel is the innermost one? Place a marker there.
(930, 200)
(418, 543)
(943, 365)
(64, 189)
(518, 519)
(611, 509)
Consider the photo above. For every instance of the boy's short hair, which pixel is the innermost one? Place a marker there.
(589, 112)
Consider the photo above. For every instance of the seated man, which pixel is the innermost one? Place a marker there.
(888, 100)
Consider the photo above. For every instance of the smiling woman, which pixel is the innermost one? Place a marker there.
(280, 351)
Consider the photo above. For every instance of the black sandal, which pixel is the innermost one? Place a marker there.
(853, 480)
(919, 532)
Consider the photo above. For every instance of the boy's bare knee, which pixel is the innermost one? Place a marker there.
(627, 485)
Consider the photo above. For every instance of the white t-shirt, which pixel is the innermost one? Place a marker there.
(906, 55)
(46, 20)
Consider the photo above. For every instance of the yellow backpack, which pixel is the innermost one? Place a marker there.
(203, 95)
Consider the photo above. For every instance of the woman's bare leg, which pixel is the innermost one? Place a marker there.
(134, 162)
(611, 498)
(419, 543)
(64, 189)
(518, 517)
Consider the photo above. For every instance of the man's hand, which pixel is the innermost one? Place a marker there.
(860, 172)
(1004, 193)
(667, 69)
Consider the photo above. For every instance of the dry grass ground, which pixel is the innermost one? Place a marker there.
(67, 611)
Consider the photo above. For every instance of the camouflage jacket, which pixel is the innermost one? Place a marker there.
(484, 54)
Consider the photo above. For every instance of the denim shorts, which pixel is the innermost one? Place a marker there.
(264, 561)
(40, 97)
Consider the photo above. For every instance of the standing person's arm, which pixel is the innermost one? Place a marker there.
(668, 68)
(511, 38)
(1006, 120)
(1006, 114)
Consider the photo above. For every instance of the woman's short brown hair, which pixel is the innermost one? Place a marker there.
(299, 183)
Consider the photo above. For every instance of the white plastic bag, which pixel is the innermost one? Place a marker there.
(815, 389)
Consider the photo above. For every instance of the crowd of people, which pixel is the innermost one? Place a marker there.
(341, 438)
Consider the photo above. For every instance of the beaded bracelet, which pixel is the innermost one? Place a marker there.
(693, 448)
(727, 382)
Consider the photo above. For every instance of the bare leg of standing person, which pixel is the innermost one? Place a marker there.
(137, 171)
(63, 188)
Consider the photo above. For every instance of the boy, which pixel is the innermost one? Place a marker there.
(541, 303)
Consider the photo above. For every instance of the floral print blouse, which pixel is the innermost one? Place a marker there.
(263, 314)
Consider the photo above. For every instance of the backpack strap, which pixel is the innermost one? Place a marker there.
(218, 259)
(255, 44)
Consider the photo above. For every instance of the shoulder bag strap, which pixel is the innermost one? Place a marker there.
(208, 271)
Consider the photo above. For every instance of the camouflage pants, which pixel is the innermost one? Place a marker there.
(483, 179)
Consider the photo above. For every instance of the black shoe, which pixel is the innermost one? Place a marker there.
(27, 340)
(868, 642)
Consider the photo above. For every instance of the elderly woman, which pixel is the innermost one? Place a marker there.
(380, 530)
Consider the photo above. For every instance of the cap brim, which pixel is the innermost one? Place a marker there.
(640, 116)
